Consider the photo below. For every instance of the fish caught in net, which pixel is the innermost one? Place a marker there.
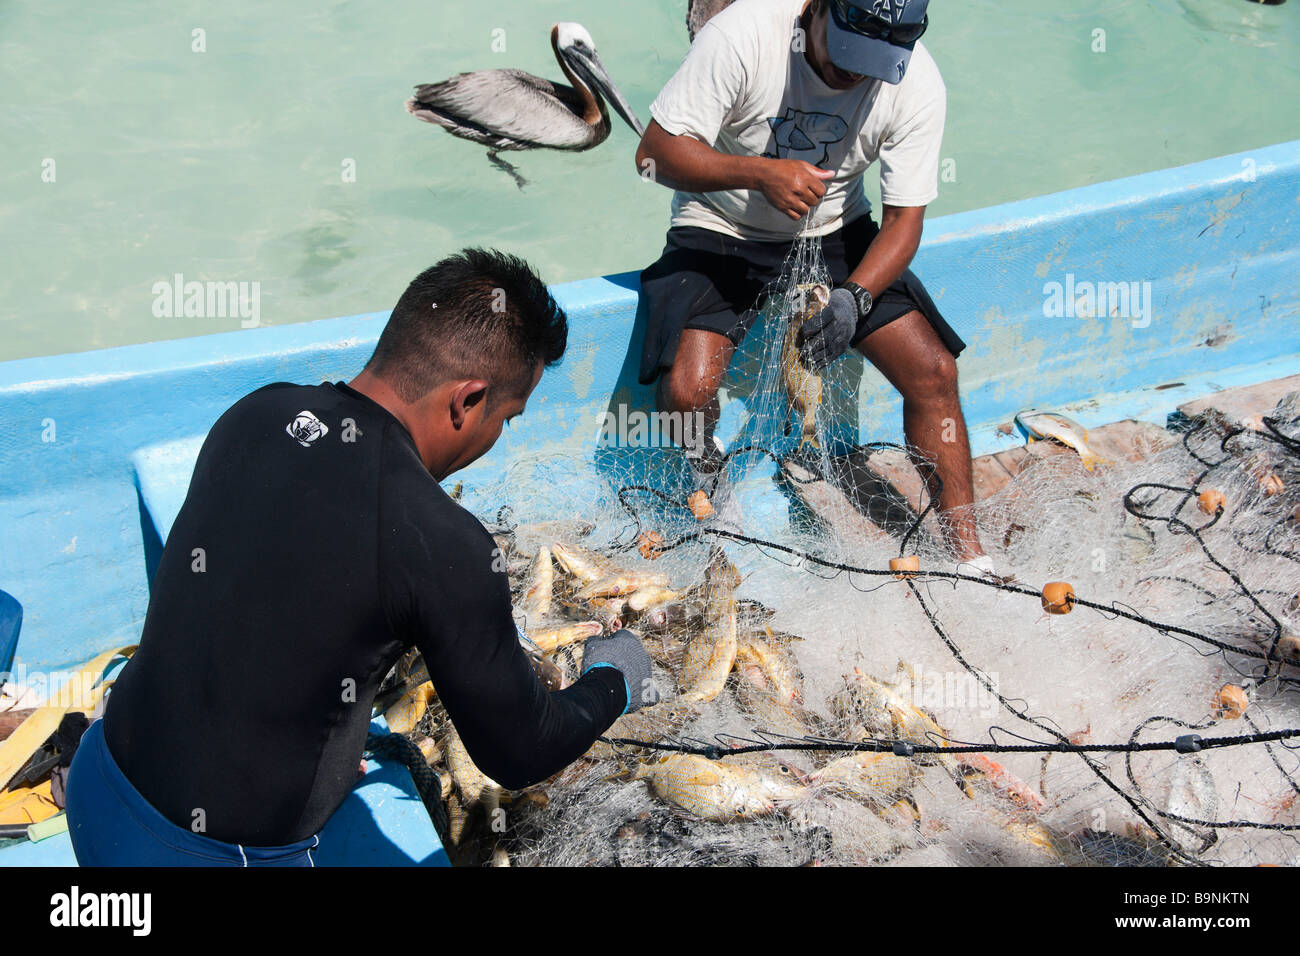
(1123, 693)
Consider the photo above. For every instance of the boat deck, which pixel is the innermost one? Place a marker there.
(879, 492)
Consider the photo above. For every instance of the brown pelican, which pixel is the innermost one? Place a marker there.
(700, 12)
(511, 109)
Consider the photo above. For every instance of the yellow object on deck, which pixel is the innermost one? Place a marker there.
(82, 693)
(27, 805)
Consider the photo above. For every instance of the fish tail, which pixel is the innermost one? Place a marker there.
(960, 775)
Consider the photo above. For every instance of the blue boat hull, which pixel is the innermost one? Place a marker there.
(97, 446)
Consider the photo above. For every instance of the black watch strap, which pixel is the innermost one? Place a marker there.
(861, 296)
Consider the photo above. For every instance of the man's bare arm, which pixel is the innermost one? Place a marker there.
(892, 250)
(685, 163)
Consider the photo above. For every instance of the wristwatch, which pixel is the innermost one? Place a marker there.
(861, 296)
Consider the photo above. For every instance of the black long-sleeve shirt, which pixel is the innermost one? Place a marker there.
(312, 550)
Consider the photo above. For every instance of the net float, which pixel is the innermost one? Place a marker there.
(905, 566)
(651, 545)
(1230, 702)
(1271, 484)
(1211, 501)
(700, 505)
(1058, 597)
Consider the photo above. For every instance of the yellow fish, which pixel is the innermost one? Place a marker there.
(551, 639)
(880, 779)
(710, 654)
(873, 709)
(539, 587)
(803, 386)
(716, 790)
(1049, 426)
(403, 716)
(581, 563)
(779, 670)
(651, 595)
(472, 784)
(621, 583)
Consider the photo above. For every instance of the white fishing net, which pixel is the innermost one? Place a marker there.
(1180, 624)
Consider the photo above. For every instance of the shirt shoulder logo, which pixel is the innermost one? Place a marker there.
(306, 428)
(806, 136)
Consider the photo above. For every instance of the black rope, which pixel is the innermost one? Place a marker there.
(906, 748)
(427, 782)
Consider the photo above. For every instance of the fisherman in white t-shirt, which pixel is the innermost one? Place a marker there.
(764, 132)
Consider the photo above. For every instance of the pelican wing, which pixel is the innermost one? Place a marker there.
(506, 109)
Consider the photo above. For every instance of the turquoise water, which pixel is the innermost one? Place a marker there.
(228, 164)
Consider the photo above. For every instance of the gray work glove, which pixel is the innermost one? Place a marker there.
(827, 335)
(622, 651)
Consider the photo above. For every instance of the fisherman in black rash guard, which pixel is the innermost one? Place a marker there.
(315, 546)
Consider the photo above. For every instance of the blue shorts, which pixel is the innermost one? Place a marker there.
(111, 824)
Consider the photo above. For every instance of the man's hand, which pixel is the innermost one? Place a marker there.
(827, 335)
(791, 185)
(622, 651)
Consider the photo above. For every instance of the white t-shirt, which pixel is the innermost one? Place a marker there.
(745, 91)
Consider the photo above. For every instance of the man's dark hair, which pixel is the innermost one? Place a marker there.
(477, 314)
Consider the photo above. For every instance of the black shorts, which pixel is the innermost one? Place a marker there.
(708, 280)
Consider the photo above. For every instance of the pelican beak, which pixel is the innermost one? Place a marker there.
(586, 63)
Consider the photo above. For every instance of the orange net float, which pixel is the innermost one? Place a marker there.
(651, 545)
(1230, 702)
(1271, 484)
(700, 505)
(905, 566)
(1211, 501)
(1058, 597)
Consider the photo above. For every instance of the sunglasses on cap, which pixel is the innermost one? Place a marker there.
(876, 27)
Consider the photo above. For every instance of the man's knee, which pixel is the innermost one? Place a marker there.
(932, 377)
(684, 388)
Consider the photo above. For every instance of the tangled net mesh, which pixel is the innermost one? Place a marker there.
(1036, 738)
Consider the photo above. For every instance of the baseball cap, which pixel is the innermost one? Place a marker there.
(875, 37)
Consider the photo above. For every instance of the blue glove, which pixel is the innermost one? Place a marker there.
(827, 335)
(622, 651)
